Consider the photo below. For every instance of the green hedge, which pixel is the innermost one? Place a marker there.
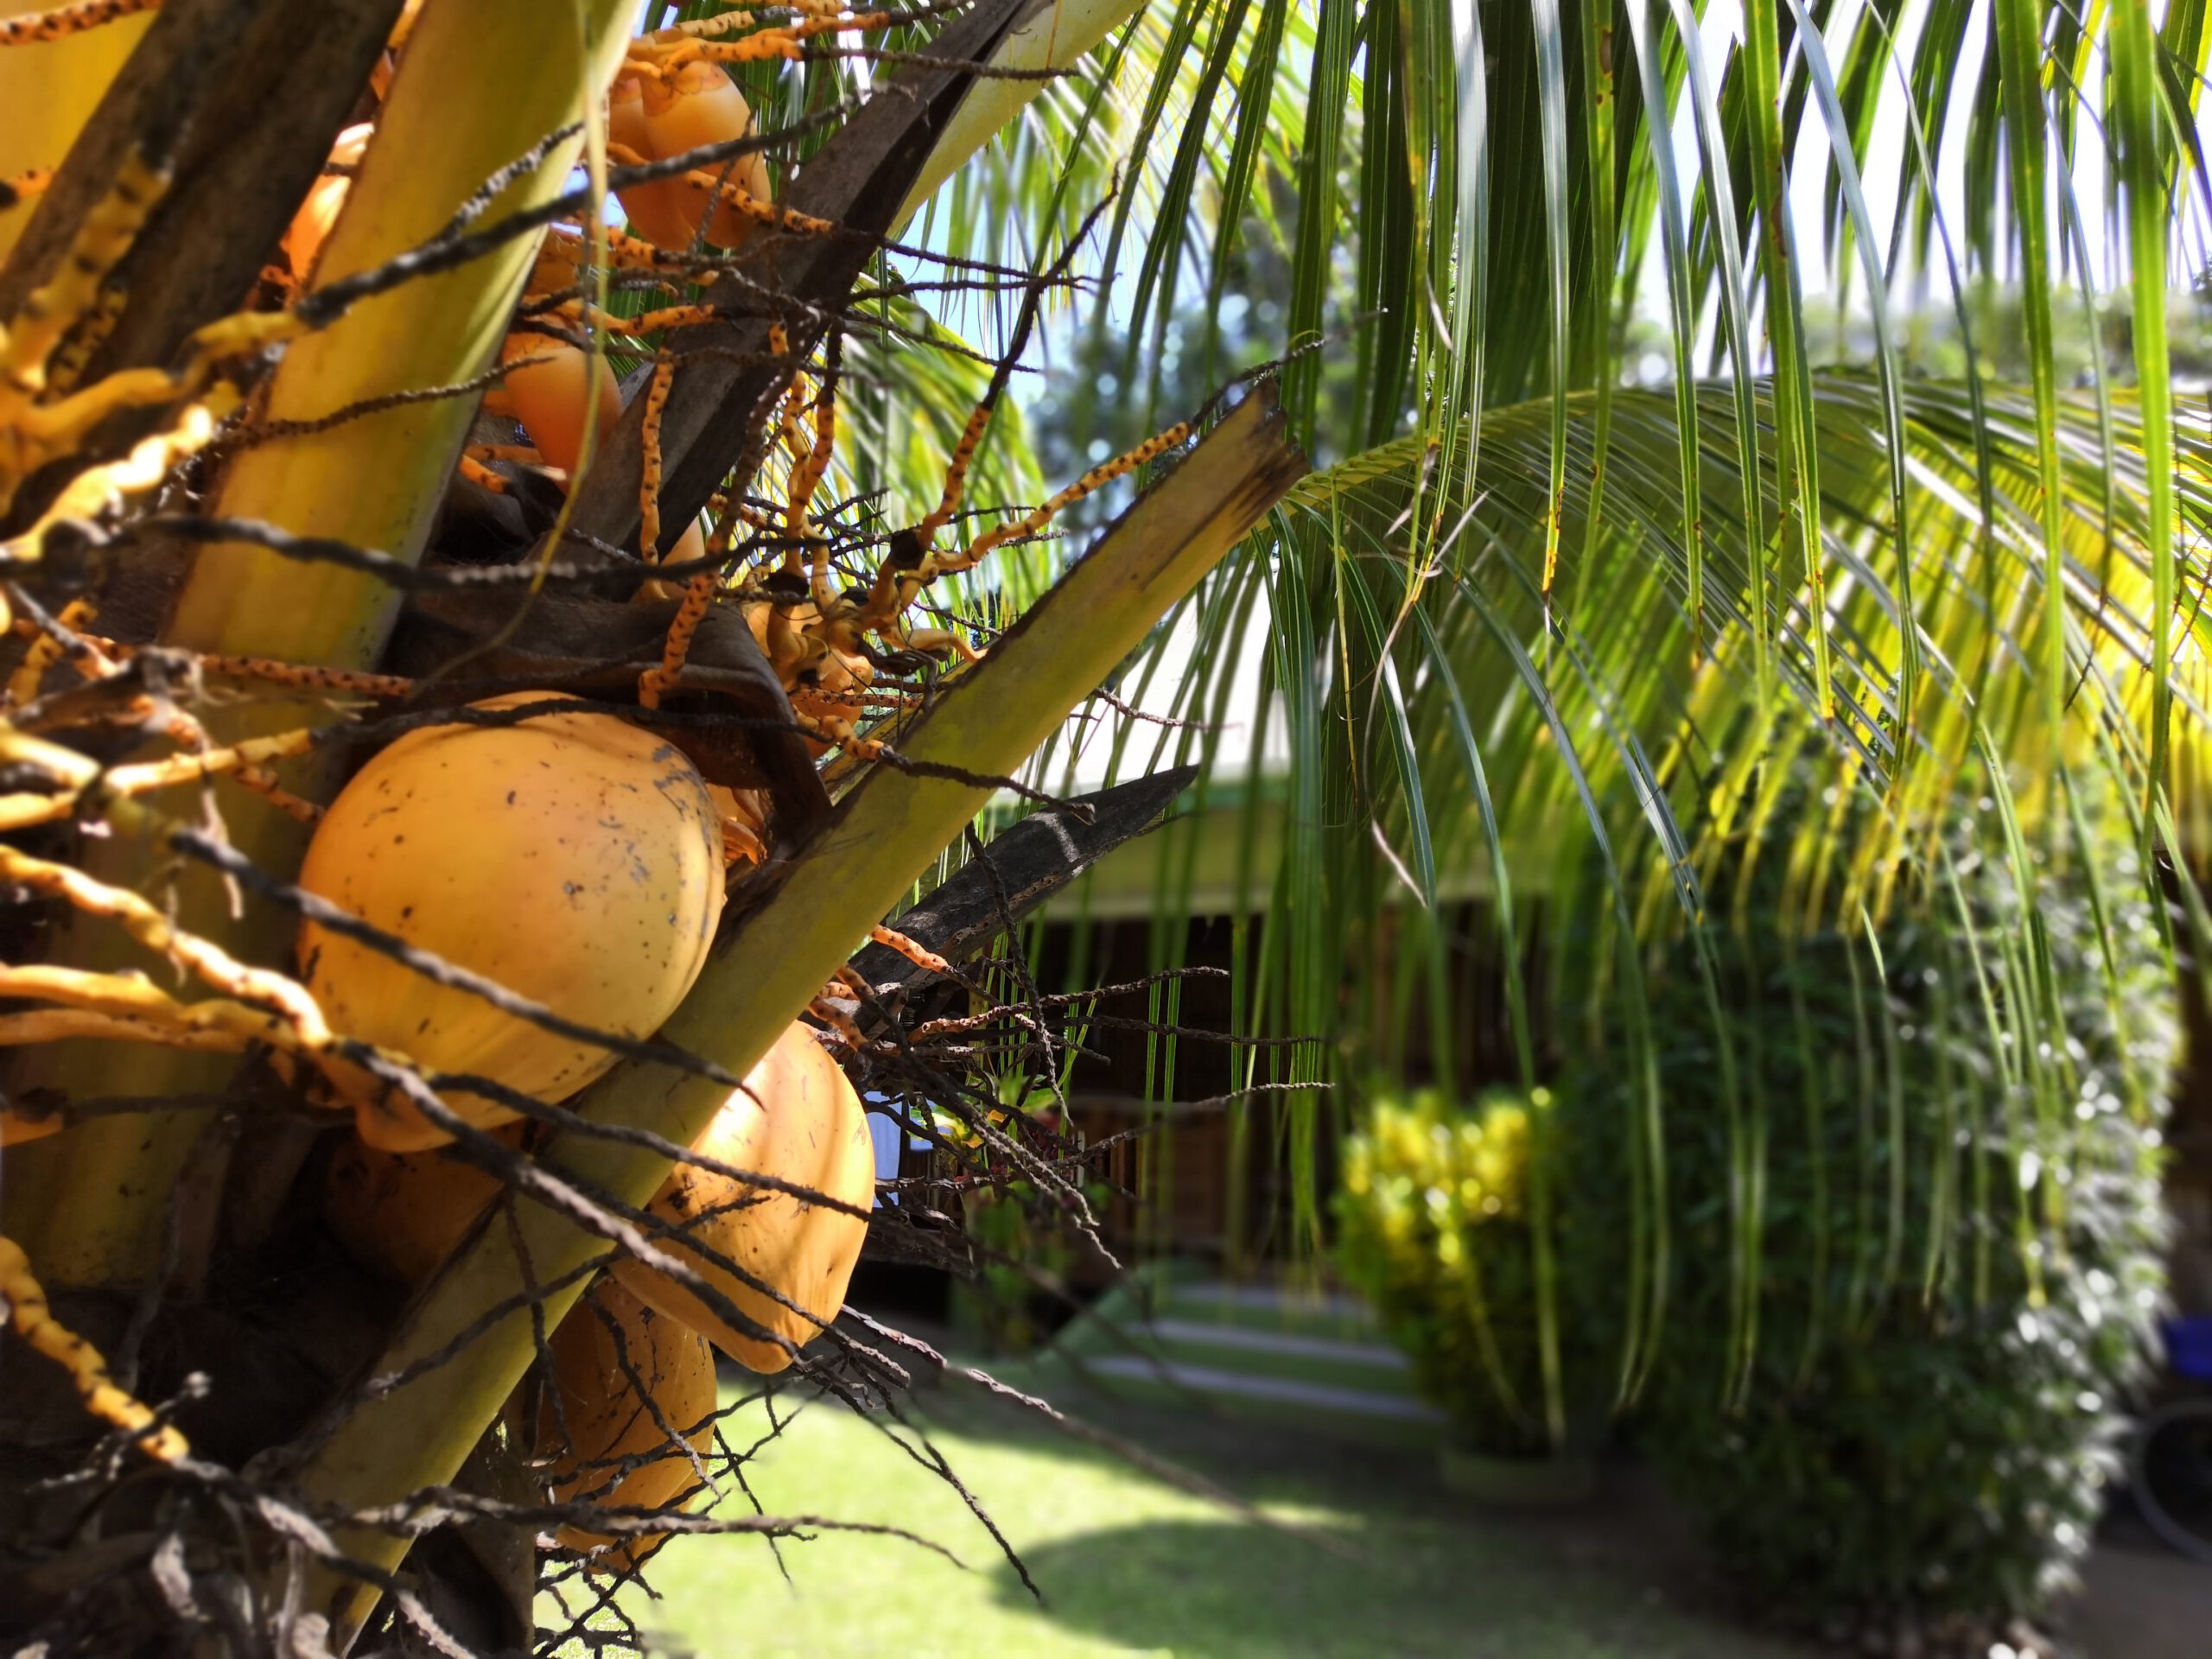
(1949, 1223)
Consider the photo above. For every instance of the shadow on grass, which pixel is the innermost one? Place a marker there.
(1131, 1562)
(1231, 1589)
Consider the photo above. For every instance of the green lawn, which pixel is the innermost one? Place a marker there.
(1129, 1564)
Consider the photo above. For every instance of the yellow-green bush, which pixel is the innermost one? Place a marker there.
(1435, 1212)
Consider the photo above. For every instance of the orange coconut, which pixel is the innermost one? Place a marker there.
(615, 1453)
(798, 1121)
(549, 397)
(311, 225)
(696, 106)
(400, 1214)
(574, 858)
(658, 211)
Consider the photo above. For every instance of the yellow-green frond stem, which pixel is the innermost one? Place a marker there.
(1054, 34)
(49, 89)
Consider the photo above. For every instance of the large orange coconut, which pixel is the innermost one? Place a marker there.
(691, 107)
(575, 859)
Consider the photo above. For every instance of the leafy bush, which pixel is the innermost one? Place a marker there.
(1434, 1217)
(1915, 1249)
(1023, 1242)
(1002, 1309)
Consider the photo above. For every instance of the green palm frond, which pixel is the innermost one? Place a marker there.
(1638, 464)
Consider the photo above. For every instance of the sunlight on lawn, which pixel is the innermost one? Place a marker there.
(1128, 1564)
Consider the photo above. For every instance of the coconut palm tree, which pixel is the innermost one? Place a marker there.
(1647, 448)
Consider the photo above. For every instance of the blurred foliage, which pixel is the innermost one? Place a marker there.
(1911, 1282)
(1020, 1294)
(996, 1309)
(1433, 1215)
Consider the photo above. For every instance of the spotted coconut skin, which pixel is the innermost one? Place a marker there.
(603, 1421)
(798, 1121)
(575, 859)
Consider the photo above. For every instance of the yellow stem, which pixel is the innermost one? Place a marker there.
(59, 1025)
(49, 90)
(21, 811)
(24, 1300)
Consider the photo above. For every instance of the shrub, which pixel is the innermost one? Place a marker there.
(1435, 1228)
(1954, 1236)
(1017, 1297)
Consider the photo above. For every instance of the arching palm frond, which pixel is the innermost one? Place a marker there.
(1690, 383)
(1838, 403)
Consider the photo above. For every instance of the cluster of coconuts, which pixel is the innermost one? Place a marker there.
(577, 859)
(654, 119)
(655, 116)
(551, 390)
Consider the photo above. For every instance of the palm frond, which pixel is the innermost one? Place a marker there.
(1636, 470)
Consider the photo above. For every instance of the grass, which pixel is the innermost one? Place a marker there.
(1129, 1563)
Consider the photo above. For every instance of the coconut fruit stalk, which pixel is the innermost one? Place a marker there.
(437, 140)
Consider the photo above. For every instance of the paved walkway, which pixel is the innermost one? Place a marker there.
(2140, 1601)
